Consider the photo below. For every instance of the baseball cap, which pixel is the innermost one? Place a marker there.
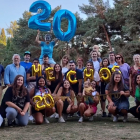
(27, 52)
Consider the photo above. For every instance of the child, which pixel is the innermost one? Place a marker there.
(87, 93)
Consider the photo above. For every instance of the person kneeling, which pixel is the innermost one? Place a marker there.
(40, 90)
(88, 106)
(15, 103)
(67, 106)
(119, 103)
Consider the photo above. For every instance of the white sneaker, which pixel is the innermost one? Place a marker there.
(115, 118)
(1, 120)
(80, 120)
(46, 120)
(125, 119)
(31, 118)
(56, 116)
(61, 120)
(91, 118)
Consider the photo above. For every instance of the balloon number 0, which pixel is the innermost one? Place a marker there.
(35, 21)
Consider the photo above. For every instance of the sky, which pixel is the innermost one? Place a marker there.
(11, 10)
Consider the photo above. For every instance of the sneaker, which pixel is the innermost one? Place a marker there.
(1, 120)
(115, 118)
(109, 115)
(61, 120)
(11, 124)
(91, 118)
(31, 118)
(80, 120)
(65, 116)
(104, 114)
(46, 120)
(56, 116)
(53, 115)
(125, 119)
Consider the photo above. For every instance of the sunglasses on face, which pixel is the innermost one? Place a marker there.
(118, 57)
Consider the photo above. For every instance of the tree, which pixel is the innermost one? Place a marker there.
(12, 28)
(98, 29)
(3, 37)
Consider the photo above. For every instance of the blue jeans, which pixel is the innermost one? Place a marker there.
(12, 114)
(51, 61)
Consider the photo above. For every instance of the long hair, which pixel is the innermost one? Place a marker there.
(37, 82)
(136, 79)
(60, 76)
(15, 89)
(121, 57)
(65, 56)
(103, 60)
(91, 64)
(64, 89)
(120, 85)
(81, 60)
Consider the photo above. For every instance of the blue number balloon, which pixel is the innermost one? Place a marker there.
(35, 21)
(64, 36)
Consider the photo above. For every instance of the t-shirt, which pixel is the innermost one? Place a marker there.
(26, 65)
(79, 75)
(96, 65)
(18, 100)
(96, 76)
(30, 72)
(125, 88)
(47, 49)
(125, 71)
(111, 65)
(53, 85)
(1, 71)
(64, 70)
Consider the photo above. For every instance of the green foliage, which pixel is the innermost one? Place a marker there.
(3, 37)
(117, 27)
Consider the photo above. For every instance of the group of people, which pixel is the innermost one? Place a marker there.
(83, 95)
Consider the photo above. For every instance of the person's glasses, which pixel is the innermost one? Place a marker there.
(118, 57)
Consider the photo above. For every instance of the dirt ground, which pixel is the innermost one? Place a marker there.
(99, 129)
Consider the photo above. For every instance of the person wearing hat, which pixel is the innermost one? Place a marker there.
(46, 48)
(26, 63)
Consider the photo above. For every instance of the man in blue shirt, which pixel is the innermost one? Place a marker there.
(12, 70)
(112, 60)
(46, 48)
(26, 63)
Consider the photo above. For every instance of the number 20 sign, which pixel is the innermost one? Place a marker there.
(35, 21)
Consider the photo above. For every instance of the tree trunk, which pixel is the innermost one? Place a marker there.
(107, 37)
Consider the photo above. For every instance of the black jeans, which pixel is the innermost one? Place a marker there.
(133, 111)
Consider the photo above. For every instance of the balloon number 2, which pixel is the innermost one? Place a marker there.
(35, 22)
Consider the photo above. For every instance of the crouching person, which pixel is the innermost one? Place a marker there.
(15, 103)
(67, 106)
(41, 90)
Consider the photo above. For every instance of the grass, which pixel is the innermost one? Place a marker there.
(99, 129)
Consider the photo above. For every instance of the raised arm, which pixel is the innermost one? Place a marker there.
(37, 37)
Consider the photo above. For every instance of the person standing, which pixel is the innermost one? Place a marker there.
(134, 70)
(77, 87)
(64, 64)
(12, 70)
(112, 60)
(26, 63)
(124, 68)
(94, 56)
